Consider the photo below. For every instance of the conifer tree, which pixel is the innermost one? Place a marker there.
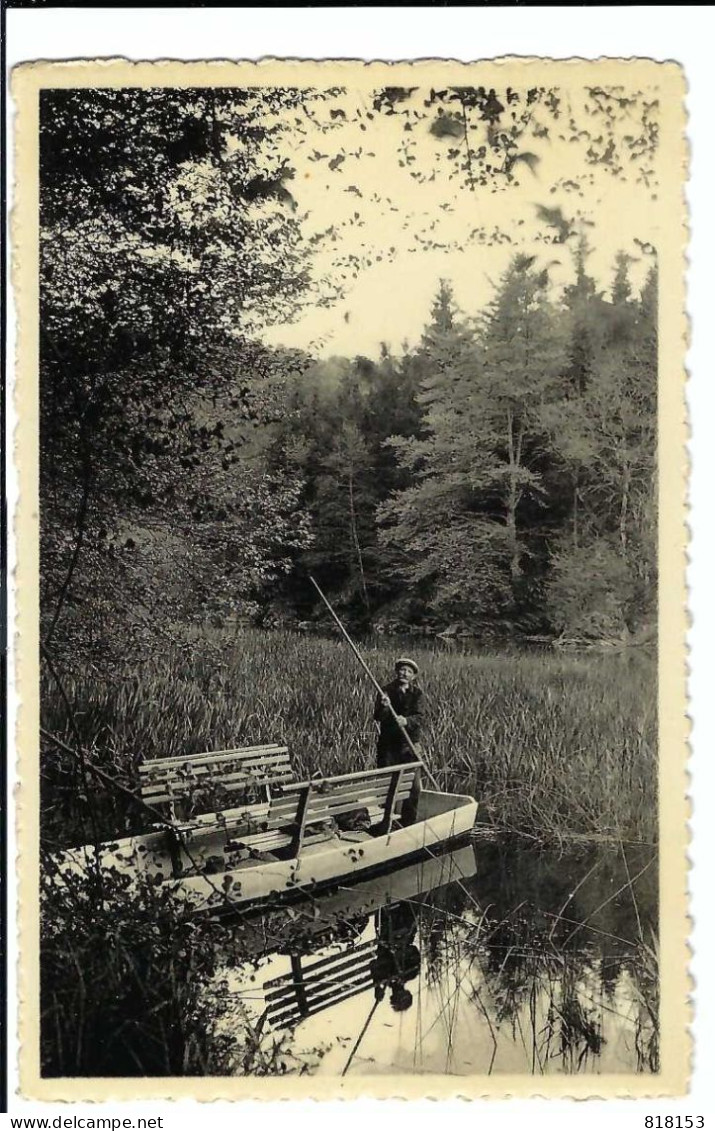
(486, 388)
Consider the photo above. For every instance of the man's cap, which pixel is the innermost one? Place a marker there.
(400, 998)
(408, 662)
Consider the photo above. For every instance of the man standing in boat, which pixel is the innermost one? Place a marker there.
(407, 702)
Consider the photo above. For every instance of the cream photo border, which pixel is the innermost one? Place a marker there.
(672, 160)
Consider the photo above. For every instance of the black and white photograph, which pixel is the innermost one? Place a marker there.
(358, 405)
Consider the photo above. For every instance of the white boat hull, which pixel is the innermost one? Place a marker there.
(441, 817)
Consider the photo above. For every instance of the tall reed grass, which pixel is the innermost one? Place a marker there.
(550, 745)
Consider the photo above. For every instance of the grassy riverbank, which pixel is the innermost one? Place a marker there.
(551, 745)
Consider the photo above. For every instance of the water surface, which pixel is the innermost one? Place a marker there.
(493, 958)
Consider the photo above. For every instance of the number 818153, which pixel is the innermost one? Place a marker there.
(676, 1122)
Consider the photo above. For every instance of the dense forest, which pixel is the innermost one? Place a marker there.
(500, 477)
(496, 478)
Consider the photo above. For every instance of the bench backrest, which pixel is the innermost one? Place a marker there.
(314, 986)
(380, 792)
(204, 783)
(369, 789)
(302, 804)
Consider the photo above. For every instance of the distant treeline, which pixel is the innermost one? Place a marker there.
(501, 477)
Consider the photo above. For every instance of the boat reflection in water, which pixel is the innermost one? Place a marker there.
(418, 972)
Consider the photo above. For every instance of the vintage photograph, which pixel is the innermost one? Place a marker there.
(350, 387)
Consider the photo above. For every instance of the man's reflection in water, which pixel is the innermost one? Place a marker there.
(397, 960)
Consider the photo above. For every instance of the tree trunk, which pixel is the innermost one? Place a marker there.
(513, 496)
(355, 538)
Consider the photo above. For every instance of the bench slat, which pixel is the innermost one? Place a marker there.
(352, 983)
(314, 971)
(184, 787)
(314, 990)
(363, 791)
(266, 841)
(231, 771)
(273, 839)
(235, 765)
(360, 775)
(201, 769)
(258, 841)
(212, 756)
(364, 801)
(366, 789)
(351, 992)
(258, 812)
(358, 779)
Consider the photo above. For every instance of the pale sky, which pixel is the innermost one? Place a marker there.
(392, 215)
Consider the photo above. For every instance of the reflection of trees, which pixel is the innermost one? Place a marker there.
(577, 1024)
(442, 915)
(647, 992)
(555, 938)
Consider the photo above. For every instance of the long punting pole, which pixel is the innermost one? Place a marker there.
(358, 1042)
(372, 679)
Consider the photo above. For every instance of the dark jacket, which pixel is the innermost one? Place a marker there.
(391, 742)
(397, 960)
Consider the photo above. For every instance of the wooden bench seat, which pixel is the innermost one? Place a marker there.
(311, 987)
(380, 792)
(205, 783)
(300, 809)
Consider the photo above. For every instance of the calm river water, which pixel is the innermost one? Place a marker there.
(492, 958)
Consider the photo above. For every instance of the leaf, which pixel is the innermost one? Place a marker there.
(447, 125)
